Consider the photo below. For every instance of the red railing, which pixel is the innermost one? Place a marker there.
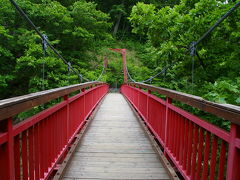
(198, 149)
(33, 148)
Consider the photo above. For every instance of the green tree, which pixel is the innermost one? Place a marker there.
(170, 30)
(120, 10)
(74, 28)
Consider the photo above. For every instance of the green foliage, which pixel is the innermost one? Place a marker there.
(162, 32)
(223, 91)
(120, 10)
(87, 19)
(142, 17)
(170, 30)
(74, 28)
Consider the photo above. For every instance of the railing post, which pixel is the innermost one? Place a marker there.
(138, 98)
(10, 147)
(68, 116)
(149, 92)
(83, 90)
(91, 94)
(168, 101)
(132, 94)
(233, 154)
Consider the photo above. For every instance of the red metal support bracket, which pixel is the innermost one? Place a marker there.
(149, 92)
(10, 149)
(197, 149)
(68, 115)
(168, 101)
(123, 52)
(233, 154)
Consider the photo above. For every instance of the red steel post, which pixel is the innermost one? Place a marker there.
(84, 106)
(32, 148)
(124, 65)
(222, 161)
(105, 62)
(138, 95)
(233, 154)
(17, 156)
(191, 143)
(149, 92)
(200, 154)
(168, 101)
(123, 52)
(68, 116)
(10, 148)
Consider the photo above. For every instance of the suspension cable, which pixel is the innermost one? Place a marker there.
(193, 54)
(159, 73)
(44, 39)
(130, 77)
(217, 23)
(100, 76)
(44, 46)
(193, 45)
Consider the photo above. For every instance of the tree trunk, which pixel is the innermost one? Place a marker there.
(125, 30)
(117, 24)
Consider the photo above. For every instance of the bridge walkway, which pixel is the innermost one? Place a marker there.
(114, 147)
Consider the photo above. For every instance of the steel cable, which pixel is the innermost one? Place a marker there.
(193, 46)
(100, 76)
(217, 23)
(161, 72)
(130, 77)
(44, 39)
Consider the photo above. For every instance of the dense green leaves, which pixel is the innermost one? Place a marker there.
(160, 36)
(171, 30)
(74, 29)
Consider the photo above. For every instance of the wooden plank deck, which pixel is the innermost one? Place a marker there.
(115, 147)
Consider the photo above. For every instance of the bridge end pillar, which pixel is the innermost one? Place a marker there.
(124, 65)
(233, 154)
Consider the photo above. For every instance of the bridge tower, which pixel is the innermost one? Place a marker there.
(123, 52)
(105, 62)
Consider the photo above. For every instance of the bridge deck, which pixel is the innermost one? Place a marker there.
(115, 147)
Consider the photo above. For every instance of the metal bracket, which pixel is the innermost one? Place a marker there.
(44, 42)
(193, 48)
(69, 66)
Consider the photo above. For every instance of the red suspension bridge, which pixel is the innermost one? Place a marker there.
(133, 134)
(43, 145)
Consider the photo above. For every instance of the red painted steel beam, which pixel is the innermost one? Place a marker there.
(3, 138)
(44, 138)
(192, 144)
(13, 106)
(226, 111)
(10, 148)
(105, 62)
(233, 154)
(237, 143)
(124, 59)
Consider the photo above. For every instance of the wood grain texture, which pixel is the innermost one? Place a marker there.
(115, 147)
(12, 106)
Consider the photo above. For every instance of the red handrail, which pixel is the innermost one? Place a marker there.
(32, 148)
(198, 149)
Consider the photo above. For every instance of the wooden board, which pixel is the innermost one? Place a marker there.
(227, 111)
(115, 147)
(12, 106)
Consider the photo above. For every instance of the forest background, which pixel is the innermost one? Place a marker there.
(156, 33)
